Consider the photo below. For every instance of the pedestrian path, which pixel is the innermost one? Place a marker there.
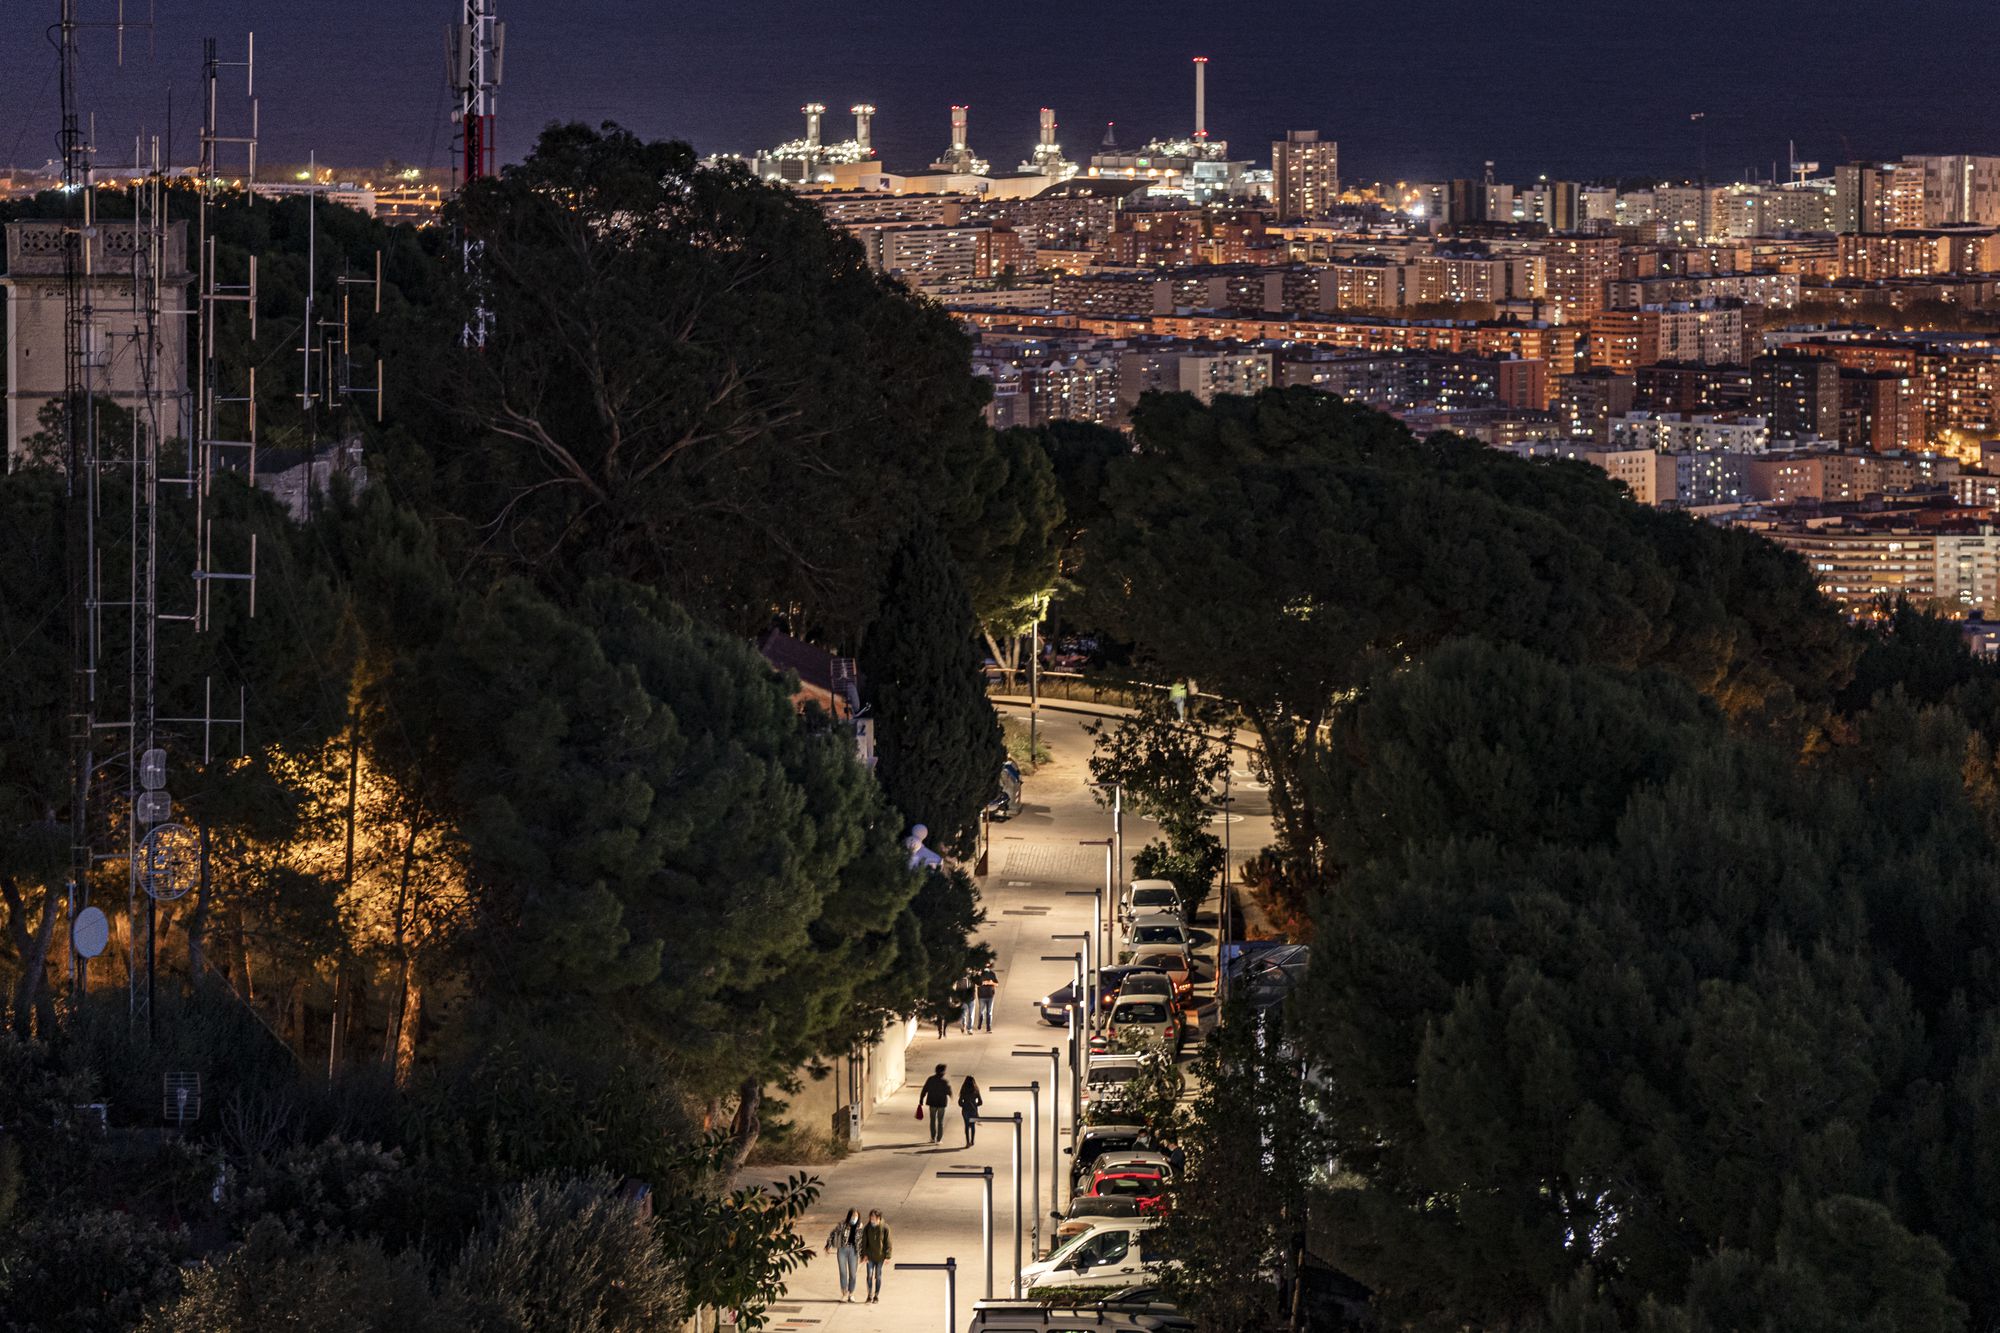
(1037, 861)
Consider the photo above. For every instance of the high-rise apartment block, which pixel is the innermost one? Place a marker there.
(1305, 175)
(1798, 395)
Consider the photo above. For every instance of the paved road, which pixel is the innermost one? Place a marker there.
(1035, 860)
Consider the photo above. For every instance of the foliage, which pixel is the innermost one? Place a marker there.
(1241, 1202)
(271, 1281)
(949, 917)
(1280, 548)
(566, 1255)
(938, 746)
(1153, 1095)
(1167, 765)
(736, 1249)
(1607, 988)
(91, 1271)
(1192, 866)
(691, 380)
(672, 851)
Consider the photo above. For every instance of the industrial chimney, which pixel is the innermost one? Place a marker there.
(1201, 99)
(864, 120)
(1048, 139)
(813, 110)
(958, 120)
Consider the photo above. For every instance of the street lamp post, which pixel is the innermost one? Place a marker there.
(950, 1270)
(1054, 1057)
(1087, 1000)
(1075, 1065)
(1033, 1088)
(1015, 1121)
(985, 1174)
(1108, 893)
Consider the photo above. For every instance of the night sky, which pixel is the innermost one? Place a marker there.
(1412, 90)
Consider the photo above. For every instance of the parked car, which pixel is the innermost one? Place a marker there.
(1148, 1188)
(1114, 1252)
(1144, 981)
(1155, 1315)
(1104, 1080)
(1085, 1209)
(1176, 962)
(1056, 1002)
(1153, 1017)
(1134, 1159)
(1145, 897)
(1157, 928)
(1096, 1140)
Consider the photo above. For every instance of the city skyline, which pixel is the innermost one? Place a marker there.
(1582, 92)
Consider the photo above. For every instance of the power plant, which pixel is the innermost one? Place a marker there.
(1194, 165)
(958, 159)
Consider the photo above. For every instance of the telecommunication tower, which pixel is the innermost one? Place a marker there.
(474, 46)
(136, 506)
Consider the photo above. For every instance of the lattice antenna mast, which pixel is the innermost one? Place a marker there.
(475, 45)
(473, 49)
(218, 411)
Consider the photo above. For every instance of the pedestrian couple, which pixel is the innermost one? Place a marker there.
(936, 1098)
(978, 990)
(854, 1243)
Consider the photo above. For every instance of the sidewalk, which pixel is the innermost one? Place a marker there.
(1035, 860)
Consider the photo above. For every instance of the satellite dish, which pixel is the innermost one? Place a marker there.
(89, 933)
(169, 860)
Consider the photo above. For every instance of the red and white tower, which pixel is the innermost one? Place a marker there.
(474, 45)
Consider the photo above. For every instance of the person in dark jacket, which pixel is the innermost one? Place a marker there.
(876, 1250)
(845, 1242)
(936, 1095)
(968, 1106)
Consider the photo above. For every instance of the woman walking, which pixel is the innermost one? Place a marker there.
(968, 1106)
(845, 1242)
(876, 1248)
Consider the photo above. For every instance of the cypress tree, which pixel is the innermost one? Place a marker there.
(937, 738)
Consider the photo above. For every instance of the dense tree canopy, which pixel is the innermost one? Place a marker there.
(690, 380)
(1278, 548)
(1605, 989)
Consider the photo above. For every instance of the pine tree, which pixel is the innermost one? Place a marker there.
(938, 741)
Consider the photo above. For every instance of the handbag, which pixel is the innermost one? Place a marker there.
(920, 1110)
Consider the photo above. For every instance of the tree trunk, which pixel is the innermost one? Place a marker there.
(31, 999)
(1009, 661)
(392, 1038)
(750, 1099)
(197, 926)
(406, 1028)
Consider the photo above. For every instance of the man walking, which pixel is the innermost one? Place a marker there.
(968, 988)
(936, 1096)
(989, 985)
(876, 1248)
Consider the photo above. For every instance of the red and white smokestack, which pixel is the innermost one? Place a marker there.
(958, 117)
(1048, 128)
(813, 110)
(864, 121)
(1201, 97)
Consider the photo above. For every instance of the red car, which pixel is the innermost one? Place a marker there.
(1148, 1187)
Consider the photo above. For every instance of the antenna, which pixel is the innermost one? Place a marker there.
(474, 47)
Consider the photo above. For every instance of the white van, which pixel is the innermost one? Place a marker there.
(1144, 897)
(1115, 1252)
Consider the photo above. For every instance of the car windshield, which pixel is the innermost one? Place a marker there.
(1129, 1186)
(1164, 962)
(1122, 1073)
(1144, 1012)
(1151, 983)
(1155, 934)
(1154, 898)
